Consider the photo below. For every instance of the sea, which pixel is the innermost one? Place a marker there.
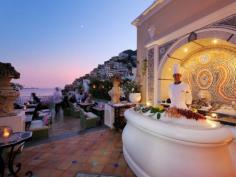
(45, 94)
(26, 92)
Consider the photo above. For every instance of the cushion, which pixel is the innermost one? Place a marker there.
(90, 115)
(45, 110)
(37, 125)
(46, 120)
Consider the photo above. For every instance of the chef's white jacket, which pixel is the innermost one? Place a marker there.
(180, 95)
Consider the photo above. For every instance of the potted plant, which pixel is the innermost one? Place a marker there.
(132, 90)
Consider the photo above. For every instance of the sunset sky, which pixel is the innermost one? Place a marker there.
(52, 42)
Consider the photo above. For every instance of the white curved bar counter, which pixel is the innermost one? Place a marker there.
(154, 148)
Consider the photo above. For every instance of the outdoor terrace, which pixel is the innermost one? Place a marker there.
(95, 151)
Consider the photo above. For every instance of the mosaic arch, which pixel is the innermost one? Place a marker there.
(210, 71)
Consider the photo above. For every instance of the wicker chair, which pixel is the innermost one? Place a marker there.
(72, 111)
(88, 119)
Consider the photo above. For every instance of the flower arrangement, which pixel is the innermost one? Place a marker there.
(154, 112)
(131, 87)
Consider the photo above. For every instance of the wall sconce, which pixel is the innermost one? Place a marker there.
(185, 49)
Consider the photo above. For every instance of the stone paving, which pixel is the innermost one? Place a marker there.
(97, 152)
(64, 125)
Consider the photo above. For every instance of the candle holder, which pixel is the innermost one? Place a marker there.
(5, 131)
(214, 115)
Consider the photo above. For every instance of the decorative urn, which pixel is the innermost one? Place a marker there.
(135, 97)
(7, 94)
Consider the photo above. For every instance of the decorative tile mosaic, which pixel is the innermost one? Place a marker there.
(211, 73)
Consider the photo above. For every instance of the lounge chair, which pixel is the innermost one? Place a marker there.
(88, 119)
(72, 111)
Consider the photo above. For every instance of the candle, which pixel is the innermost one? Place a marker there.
(5, 131)
(214, 115)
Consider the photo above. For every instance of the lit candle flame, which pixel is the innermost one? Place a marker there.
(6, 133)
(214, 115)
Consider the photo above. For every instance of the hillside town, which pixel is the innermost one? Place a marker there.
(124, 65)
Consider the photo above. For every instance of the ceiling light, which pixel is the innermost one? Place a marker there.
(185, 49)
(214, 41)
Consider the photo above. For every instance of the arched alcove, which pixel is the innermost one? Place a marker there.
(209, 65)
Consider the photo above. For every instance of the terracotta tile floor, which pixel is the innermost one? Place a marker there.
(64, 125)
(94, 152)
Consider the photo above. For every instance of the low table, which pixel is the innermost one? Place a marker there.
(15, 143)
(29, 110)
(85, 105)
(32, 105)
(100, 112)
(119, 109)
(28, 120)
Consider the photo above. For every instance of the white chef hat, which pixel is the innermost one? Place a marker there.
(177, 69)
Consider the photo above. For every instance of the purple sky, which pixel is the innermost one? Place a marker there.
(53, 42)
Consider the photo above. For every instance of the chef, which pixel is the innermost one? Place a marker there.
(179, 92)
